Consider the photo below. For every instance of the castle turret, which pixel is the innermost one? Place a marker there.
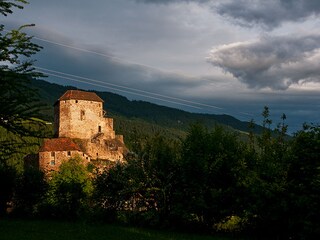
(79, 114)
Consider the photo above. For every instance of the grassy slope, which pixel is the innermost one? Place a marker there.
(54, 230)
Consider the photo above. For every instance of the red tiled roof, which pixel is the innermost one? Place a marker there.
(80, 95)
(59, 144)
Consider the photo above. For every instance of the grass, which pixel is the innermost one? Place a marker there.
(55, 230)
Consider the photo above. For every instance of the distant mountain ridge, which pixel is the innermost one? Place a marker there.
(120, 107)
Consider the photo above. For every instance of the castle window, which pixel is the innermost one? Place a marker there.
(53, 154)
(99, 129)
(69, 153)
(76, 101)
(53, 162)
(82, 114)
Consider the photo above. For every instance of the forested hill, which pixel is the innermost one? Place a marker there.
(120, 107)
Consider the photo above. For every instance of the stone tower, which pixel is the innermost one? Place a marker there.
(79, 115)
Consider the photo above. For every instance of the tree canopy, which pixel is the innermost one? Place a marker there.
(19, 102)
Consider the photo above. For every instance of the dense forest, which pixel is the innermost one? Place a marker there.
(209, 181)
(201, 177)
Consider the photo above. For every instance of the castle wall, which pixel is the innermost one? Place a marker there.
(51, 161)
(100, 148)
(83, 119)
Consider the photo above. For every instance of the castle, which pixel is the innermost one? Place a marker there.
(80, 129)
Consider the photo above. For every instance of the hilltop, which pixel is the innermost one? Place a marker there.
(134, 117)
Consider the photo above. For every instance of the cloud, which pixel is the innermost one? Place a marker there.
(170, 1)
(175, 37)
(271, 62)
(268, 14)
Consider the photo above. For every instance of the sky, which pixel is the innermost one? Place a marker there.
(218, 57)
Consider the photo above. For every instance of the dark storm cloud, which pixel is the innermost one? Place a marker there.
(170, 1)
(271, 62)
(270, 13)
(109, 70)
(100, 70)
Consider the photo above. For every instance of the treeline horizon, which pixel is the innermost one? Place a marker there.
(211, 181)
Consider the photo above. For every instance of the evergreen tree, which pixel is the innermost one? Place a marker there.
(304, 183)
(18, 102)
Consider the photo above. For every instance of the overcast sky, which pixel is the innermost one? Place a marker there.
(222, 57)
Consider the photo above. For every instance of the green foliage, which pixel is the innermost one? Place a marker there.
(14, 147)
(6, 6)
(7, 182)
(69, 189)
(19, 101)
(29, 192)
(214, 181)
(210, 173)
(110, 191)
(304, 182)
(145, 184)
(137, 131)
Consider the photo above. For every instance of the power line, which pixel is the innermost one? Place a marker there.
(120, 90)
(130, 88)
(103, 85)
(71, 77)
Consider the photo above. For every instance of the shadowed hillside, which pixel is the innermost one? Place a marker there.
(136, 114)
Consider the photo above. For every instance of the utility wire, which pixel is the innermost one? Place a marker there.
(116, 89)
(101, 84)
(71, 77)
(129, 88)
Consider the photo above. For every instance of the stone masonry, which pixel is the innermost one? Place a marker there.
(81, 129)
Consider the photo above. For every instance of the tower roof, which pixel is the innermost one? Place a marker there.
(59, 144)
(80, 95)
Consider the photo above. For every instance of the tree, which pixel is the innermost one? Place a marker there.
(304, 183)
(110, 191)
(7, 182)
(266, 201)
(143, 186)
(69, 189)
(19, 103)
(211, 165)
(30, 190)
